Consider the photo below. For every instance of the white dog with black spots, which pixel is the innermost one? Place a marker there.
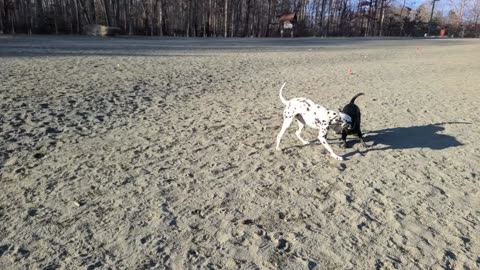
(306, 112)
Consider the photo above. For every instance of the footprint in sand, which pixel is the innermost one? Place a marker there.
(283, 245)
(449, 259)
(4, 249)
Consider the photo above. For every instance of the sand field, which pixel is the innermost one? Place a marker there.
(159, 154)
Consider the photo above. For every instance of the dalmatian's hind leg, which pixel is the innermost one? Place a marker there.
(286, 123)
(301, 125)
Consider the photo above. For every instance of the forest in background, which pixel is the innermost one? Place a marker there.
(240, 18)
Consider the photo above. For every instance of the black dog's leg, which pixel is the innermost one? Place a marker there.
(359, 132)
(344, 139)
(360, 135)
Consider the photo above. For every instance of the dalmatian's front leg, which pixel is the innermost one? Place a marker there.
(322, 136)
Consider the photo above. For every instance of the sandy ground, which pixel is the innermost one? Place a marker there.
(136, 154)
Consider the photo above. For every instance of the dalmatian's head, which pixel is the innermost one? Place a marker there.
(340, 118)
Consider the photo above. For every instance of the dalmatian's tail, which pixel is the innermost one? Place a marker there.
(355, 97)
(284, 101)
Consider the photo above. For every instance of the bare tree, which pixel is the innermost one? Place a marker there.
(459, 7)
(231, 18)
(475, 14)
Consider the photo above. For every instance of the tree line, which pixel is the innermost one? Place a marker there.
(240, 18)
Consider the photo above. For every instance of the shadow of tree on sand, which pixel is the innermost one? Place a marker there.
(426, 136)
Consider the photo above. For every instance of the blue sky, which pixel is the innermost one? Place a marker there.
(442, 5)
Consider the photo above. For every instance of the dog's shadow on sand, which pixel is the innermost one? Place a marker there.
(426, 136)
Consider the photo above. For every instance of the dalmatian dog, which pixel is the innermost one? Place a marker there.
(306, 112)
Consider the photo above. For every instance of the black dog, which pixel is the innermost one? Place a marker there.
(353, 111)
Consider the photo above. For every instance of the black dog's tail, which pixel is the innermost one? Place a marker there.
(355, 97)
